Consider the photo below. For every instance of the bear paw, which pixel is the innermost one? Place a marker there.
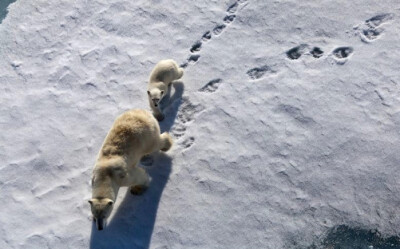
(138, 189)
(159, 117)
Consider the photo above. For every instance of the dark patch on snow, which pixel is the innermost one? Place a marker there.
(345, 237)
(296, 52)
(218, 29)
(258, 72)
(206, 36)
(316, 52)
(196, 47)
(342, 52)
(4, 8)
(211, 86)
(229, 18)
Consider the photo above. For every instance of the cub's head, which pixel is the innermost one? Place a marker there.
(101, 209)
(156, 95)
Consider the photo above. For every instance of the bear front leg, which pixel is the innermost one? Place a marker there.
(141, 182)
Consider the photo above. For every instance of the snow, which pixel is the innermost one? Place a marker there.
(274, 147)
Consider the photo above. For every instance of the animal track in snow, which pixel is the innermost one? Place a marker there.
(191, 60)
(371, 34)
(186, 114)
(370, 30)
(379, 20)
(229, 18)
(316, 52)
(296, 52)
(342, 52)
(196, 47)
(188, 110)
(188, 142)
(233, 8)
(258, 72)
(206, 36)
(211, 86)
(296, 114)
(218, 29)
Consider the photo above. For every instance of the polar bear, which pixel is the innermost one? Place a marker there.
(134, 134)
(161, 77)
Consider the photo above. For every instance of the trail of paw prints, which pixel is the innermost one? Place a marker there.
(296, 52)
(371, 29)
(340, 54)
(208, 35)
(186, 114)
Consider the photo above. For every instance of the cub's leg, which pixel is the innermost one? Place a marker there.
(180, 73)
(156, 111)
(141, 181)
(146, 160)
(165, 141)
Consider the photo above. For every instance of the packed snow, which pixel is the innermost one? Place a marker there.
(286, 122)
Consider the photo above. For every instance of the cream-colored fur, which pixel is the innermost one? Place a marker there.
(162, 75)
(134, 134)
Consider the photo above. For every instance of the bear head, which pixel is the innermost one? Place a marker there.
(156, 96)
(101, 209)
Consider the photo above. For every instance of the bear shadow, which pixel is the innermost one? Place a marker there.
(133, 222)
(170, 105)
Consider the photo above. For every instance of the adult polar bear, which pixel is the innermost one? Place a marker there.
(161, 77)
(134, 134)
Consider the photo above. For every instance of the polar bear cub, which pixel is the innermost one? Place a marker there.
(134, 134)
(161, 77)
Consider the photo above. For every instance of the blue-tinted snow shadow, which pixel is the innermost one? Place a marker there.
(345, 237)
(170, 105)
(3, 8)
(133, 222)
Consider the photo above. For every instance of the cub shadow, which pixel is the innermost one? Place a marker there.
(170, 105)
(133, 222)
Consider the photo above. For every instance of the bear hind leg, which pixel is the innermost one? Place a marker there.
(165, 141)
(141, 183)
(180, 73)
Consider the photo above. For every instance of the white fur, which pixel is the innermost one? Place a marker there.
(134, 134)
(161, 76)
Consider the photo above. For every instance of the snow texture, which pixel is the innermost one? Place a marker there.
(286, 122)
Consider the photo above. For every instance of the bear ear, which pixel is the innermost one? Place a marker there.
(148, 92)
(110, 203)
(162, 92)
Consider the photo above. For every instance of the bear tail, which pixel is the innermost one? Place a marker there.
(166, 141)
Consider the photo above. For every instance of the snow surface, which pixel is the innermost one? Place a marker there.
(276, 143)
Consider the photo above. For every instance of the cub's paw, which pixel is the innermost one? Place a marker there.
(138, 189)
(147, 160)
(159, 117)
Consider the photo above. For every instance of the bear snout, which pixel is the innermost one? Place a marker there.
(100, 224)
